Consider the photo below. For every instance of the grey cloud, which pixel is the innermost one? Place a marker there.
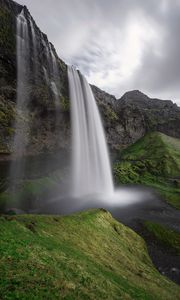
(97, 36)
(161, 73)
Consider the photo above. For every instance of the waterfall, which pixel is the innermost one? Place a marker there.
(51, 75)
(91, 170)
(21, 122)
(47, 69)
(35, 52)
(55, 77)
(46, 75)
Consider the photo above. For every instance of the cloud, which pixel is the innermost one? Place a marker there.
(120, 44)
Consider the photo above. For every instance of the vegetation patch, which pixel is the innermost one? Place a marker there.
(88, 255)
(167, 236)
(153, 161)
(65, 104)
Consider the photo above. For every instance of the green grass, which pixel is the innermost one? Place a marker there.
(65, 104)
(165, 235)
(88, 255)
(153, 161)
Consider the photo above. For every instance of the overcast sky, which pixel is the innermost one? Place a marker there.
(119, 45)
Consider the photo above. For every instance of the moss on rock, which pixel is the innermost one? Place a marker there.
(167, 236)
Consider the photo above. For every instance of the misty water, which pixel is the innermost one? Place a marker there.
(91, 171)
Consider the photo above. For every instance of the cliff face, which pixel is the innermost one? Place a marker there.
(158, 115)
(46, 132)
(125, 120)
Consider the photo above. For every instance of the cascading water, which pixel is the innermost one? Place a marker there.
(91, 169)
(48, 69)
(35, 52)
(21, 122)
(55, 79)
(91, 166)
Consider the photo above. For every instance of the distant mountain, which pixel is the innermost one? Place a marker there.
(135, 114)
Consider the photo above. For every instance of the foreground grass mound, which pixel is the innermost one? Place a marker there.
(154, 161)
(88, 255)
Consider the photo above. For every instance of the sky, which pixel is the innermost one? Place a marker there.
(119, 45)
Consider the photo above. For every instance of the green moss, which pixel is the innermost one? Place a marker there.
(159, 150)
(7, 36)
(7, 113)
(88, 255)
(10, 131)
(165, 235)
(152, 161)
(124, 173)
(65, 104)
(108, 112)
(111, 114)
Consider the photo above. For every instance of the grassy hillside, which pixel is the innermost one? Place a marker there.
(88, 255)
(154, 161)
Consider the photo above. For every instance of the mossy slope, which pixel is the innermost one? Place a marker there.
(88, 255)
(153, 161)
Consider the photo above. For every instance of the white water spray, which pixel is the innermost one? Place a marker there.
(91, 172)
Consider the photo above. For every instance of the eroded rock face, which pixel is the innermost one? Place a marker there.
(128, 119)
(125, 120)
(159, 115)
